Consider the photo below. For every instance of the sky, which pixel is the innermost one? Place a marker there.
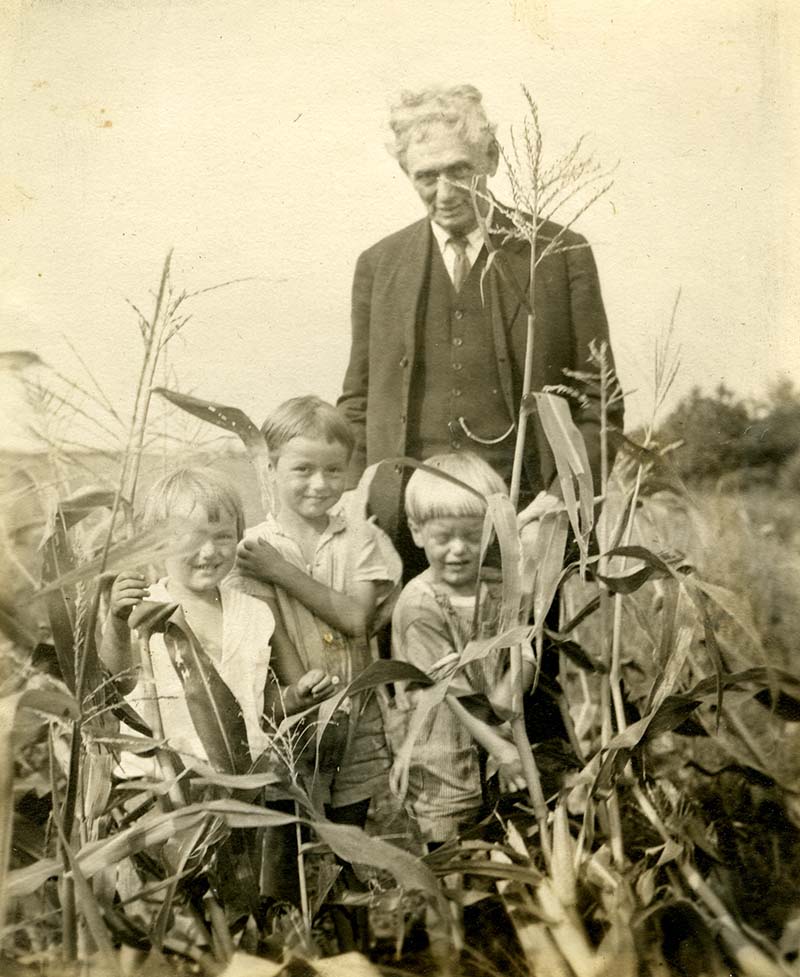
(250, 138)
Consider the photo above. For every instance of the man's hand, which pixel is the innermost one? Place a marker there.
(260, 559)
(127, 591)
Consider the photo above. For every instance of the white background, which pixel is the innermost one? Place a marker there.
(250, 136)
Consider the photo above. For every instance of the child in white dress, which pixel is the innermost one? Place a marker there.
(236, 631)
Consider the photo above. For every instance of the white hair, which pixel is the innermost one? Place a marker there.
(458, 108)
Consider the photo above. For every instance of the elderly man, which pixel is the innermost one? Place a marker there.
(437, 354)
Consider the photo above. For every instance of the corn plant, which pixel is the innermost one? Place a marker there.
(173, 859)
(637, 860)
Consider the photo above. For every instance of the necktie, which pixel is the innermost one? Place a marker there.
(461, 266)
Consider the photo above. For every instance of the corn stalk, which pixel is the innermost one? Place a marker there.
(538, 192)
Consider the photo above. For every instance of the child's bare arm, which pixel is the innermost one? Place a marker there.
(296, 688)
(349, 613)
(117, 651)
(504, 753)
(501, 696)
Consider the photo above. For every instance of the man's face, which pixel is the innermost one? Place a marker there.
(441, 161)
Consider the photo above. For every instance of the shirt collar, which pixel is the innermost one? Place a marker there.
(474, 238)
(337, 522)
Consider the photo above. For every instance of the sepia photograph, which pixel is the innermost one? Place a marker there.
(399, 488)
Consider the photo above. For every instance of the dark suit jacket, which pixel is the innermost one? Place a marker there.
(387, 287)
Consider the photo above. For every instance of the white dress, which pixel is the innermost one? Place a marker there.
(247, 627)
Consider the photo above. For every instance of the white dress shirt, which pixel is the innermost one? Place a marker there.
(474, 245)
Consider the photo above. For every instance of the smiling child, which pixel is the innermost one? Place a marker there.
(236, 631)
(330, 579)
(433, 622)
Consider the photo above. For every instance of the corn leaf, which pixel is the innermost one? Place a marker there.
(19, 359)
(17, 632)
(228, 418)
(481, 647)
(49, 703)
(58, 560)
(60, 565)
(382, 671)
(354, 845)
(504, 518)
(547, 559)
(348, 842)
(655, 562)
(90, 909)
(585, 612)
(784, 706)
(760, 676)
(572, 464)
(151, 616)
(631, 580)
(562, 868)
(376, 673)
(236, 422)
(215, 711)
(667, 716)
(149, 831)
(734, 605)
(186, 843)
(670, 669)
(74, 509)
(147, 547)
(577, 654)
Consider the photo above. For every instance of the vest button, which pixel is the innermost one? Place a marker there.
(458, 341)
(459, 313)
(456, 391)
(457, 367)
(404, 362)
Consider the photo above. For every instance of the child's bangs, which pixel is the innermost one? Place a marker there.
(306, 417)
(188, 494)
(432, 497)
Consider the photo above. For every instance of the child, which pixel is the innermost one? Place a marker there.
(331, 578)
(433, 620)
(234, 629)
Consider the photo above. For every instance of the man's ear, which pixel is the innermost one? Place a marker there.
(416, 533)
(492, 157)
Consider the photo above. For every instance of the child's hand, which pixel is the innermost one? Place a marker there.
(509, 769)
(259, 559)
(398, 779)
(127, 591)
(315, 686)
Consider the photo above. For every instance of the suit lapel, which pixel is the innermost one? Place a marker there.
(410, 270)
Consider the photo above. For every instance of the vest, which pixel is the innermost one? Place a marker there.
(456, 400)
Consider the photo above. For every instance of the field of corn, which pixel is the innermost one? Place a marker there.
(664, 839)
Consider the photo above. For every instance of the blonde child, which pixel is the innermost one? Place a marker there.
(236, 631)
(330, 578)
(432, 622)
